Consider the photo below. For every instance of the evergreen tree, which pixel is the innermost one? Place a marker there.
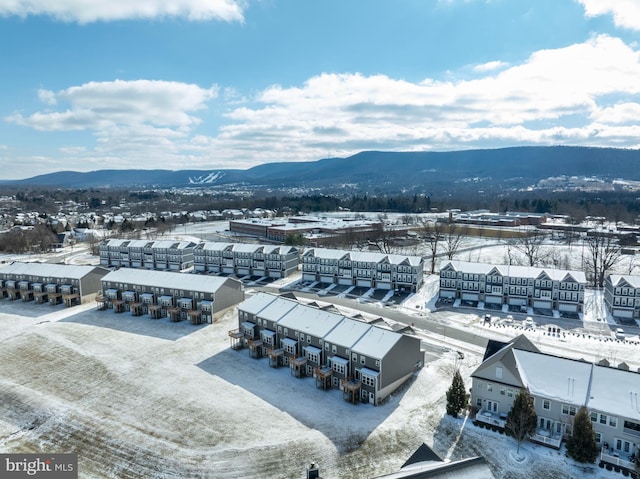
(522, 419)
(457, 396)
(582, 445)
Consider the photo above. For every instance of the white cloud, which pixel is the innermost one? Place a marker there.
(88, 11)
(134, 119)
(583, 94)
(47, 96)
(626, 13)
(490, 66)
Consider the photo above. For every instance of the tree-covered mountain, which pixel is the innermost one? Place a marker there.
(383, 171)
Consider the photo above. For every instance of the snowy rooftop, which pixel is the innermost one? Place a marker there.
(47, 269)
(164, 279)
(257, 303)
(376, 343)
(561, 379)
(515, 271)
(310, 320)
(364, 256)
(347, 333)
(615, 390)
(274, 310)
(620, 279)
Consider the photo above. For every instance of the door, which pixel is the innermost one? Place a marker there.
(545, 424)
(623, 446)
(492, 406)
(372, 398)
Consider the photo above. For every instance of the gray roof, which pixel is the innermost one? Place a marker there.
(347, 333)
(257, 302)
(310, 320)
(376, 342)
(165, 279)
(50, 270)
(277, 309)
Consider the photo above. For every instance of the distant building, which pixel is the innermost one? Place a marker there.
(50, 283)
(516, 286)
(161, 255)
(240, 259)
(361, 268)
(168, 294)
(488, 218)
(317, 231)
(366, 362)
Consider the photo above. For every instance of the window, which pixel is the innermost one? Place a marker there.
(603, 419)
(489, 387)
(546, 404)
(479, 402)
(598, 437)
(354, 357)
(568, 410)
(363, 360)
(498, 372)
(503, 390)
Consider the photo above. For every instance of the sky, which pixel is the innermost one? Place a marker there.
(231, 84)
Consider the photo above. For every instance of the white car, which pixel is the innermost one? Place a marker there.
(619, 333)
(528, 323)
(508, 319)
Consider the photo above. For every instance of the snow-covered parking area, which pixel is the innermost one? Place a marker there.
(143, 398)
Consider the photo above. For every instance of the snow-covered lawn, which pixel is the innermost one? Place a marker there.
(137, 397)
(143, 398)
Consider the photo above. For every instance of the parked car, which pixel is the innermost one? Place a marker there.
(529, 323)
(487, 318)
(508, 319)
(620, 333)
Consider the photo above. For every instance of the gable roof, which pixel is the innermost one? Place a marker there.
(51, 269)
(513, 271)
(166, 279)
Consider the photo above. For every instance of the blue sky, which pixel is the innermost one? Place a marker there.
(209, 84)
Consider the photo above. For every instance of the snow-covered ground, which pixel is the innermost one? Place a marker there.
(143, 398)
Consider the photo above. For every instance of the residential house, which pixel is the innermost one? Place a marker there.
(560, 386)
(518, 287)
(369, 362)
(50, 283)
(168, 294)
(365, 269)
(622, 296)
(246, 259)
(168, 255)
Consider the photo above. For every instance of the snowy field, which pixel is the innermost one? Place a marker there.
(143, 398)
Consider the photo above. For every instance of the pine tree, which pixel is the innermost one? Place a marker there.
(457, 396)
(522, 418)
(582, 445)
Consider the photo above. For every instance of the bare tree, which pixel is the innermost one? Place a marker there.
(454, 237)
(432, 233)
(530, 245)
(604, 253)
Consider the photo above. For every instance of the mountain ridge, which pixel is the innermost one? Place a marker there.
(381, 169)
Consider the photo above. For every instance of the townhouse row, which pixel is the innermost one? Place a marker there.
(622, 296)
(352, 268)
(50, 283)
(518, 287)
(168, 294)
(559, 387)
(364, 361)
(363, 268)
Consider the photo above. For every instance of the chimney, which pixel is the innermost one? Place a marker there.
(313, 472)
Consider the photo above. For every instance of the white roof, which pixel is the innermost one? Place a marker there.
(376, 343)
(615, 391)
(364, 256)
(256, 303)
(515, 271)
(277, 309)
(49, 269)
(561, 379)
(633, 281)
(339, 360)
(310, 320)
(165, 279)
(347, 333)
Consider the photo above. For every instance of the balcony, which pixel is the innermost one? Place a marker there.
(492, 418)
(617, 458)
(546, 438)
